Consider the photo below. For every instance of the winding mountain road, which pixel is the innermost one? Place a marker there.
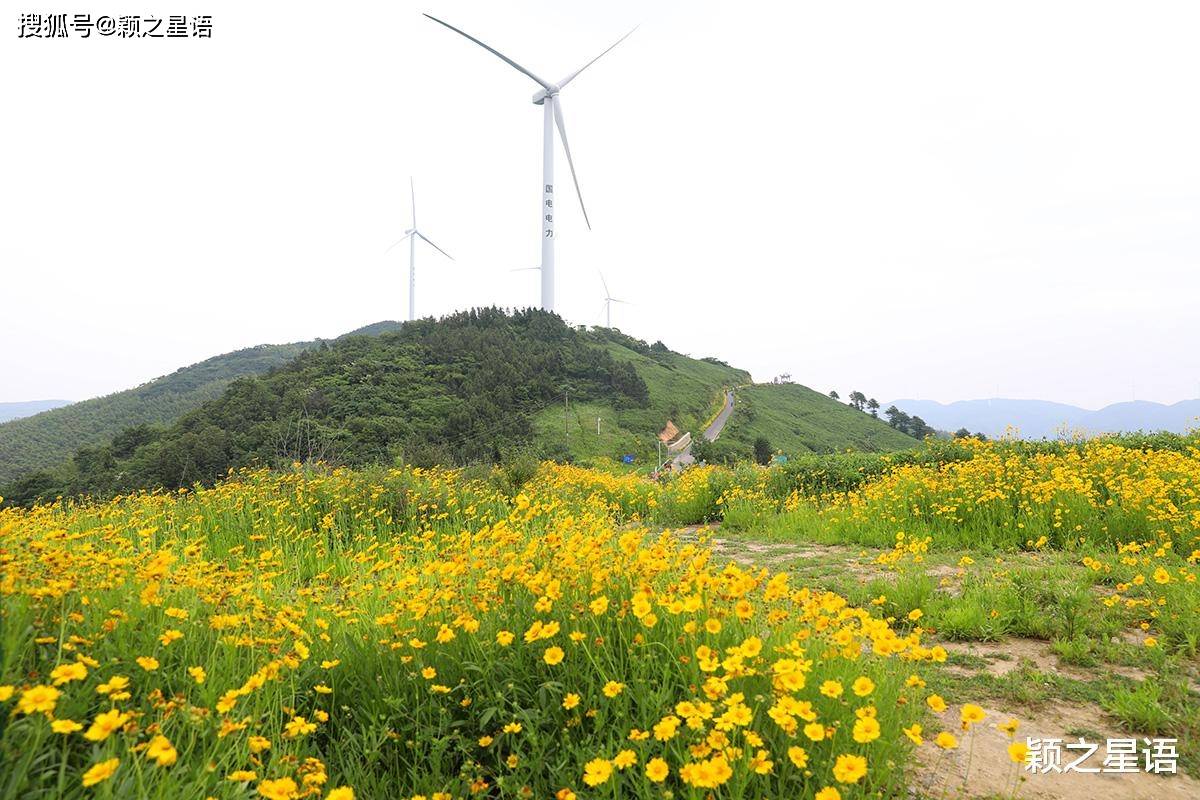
(710, 433)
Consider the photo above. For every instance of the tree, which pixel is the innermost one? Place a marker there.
(918, 428)
(833, 395)
(873, 407)
(962, 433)
(857, 400)
(763, 451)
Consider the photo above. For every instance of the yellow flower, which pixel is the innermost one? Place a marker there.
(1150, 641)
(101, 772)
(625, 758)
(340, 793)
(1018, 752)
(65, 673)
(38, 699)
(505, 638)
(914, 733)
(485, 741)
(161, 751)
(915, 614)
(798, 756)
(597, 771)
(170, 636)
(1162, 576)
(657, 770)
(599, 605)
(321, 688)
(512, 727)
(147, 663)
(429, 673)
(1009, 727)
(242, 776)
(553, 655)
(849, 768)
(65, 726)
(828, 793)
(972, 714)
(866, 730)
(104, 725)
(570, 701)
(863, 686)
(612, 689)
(297, 727)
(832, 689)
(281, 789)
(198, 674)
(258, 744)
(814, 731)
(946, 740)
(6, 693)
(936, 702)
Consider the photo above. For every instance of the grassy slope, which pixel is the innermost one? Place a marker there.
(45, 440)
(795, 419)
(682, 389)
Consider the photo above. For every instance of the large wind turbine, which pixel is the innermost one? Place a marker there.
(608, 301)
(412, 234)
(552, 117)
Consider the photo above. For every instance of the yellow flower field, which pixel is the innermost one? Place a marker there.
(420, 634)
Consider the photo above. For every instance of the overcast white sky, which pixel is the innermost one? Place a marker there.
(939, 200)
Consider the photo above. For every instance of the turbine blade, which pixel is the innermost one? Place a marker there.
(523, 269)
(434, 246)
(607, 293)
(575, 74)
(625, 302)
(494, 52)
(562, 132)
(413, 189)
(398, 241)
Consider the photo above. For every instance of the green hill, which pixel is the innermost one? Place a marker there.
(684, 390)
(45, 440)
(478, 386)
(795, 419)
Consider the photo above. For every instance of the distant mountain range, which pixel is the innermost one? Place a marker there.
(1041, 419)
(28, 408)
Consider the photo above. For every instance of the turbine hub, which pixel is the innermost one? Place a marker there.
(540, 97)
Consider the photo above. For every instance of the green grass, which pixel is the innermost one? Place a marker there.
(796, 419)
(687, 391)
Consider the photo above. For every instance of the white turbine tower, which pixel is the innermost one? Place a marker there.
(412, 234)
(608, 301)
(552, 117)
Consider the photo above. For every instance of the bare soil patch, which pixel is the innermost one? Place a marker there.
(993, 774)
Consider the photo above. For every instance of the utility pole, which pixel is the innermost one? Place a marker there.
(566, 411)
(597, 426)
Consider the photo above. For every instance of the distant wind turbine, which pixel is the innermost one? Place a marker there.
(608, 301)
(412, 234)
(547, 97)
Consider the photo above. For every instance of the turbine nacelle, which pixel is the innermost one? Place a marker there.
(540, 97)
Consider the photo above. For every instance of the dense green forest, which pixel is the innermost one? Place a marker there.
(464, 388)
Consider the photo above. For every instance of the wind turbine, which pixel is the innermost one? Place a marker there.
(608, 301)
(412, 234)
(552, 117)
